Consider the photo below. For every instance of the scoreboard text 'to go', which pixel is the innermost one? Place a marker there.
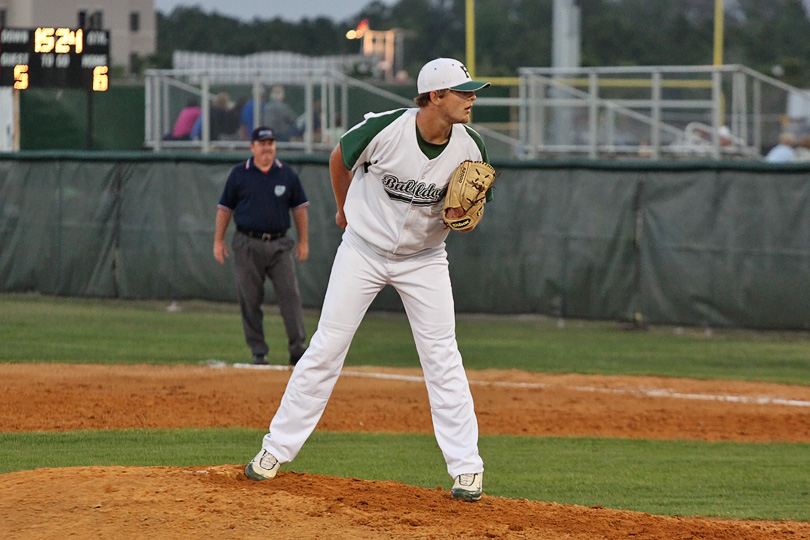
(48, 57)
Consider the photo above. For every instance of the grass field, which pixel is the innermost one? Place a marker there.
(44, 329)
(747, 481)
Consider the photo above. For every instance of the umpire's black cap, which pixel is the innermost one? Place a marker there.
(262, 133)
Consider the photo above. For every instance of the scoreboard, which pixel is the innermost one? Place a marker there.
(48, 57)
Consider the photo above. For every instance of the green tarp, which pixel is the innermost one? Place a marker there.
(700, 244)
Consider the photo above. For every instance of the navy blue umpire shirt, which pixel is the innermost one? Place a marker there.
(261, 202)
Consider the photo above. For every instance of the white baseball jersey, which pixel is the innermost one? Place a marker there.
(395, 199)
(394, 237)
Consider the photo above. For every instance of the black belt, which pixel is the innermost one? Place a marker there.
(266, 236)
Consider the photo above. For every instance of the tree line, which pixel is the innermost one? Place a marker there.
(766, 35)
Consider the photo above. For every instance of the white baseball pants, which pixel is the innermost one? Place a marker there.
(423, 283)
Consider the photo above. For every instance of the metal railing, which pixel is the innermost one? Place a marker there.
(663, 112)
(651, 112)
(324, 97)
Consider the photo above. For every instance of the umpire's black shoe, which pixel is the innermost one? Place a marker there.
(259, 359)
(294, 358)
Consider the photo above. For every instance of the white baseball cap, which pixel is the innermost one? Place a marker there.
(446, 73)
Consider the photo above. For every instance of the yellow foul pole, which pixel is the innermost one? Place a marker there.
(470, 19)
(718, 32)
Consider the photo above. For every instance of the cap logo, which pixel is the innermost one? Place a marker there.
(444, 73)
(262, 133)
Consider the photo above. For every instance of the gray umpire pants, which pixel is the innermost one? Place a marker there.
(256, 260)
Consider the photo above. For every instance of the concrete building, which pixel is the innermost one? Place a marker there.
(132, 23)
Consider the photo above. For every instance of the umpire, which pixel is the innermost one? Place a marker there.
(260, 194)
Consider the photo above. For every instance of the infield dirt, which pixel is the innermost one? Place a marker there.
(218, 502)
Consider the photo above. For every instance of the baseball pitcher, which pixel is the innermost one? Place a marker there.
(390, 174)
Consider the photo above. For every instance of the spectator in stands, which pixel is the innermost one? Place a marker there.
(724, 134)
(246, 116)
(224, 123)
(224, 118)
(299, 128)
(784, 151)
(802, 152)
(185, 121)
(278, 115)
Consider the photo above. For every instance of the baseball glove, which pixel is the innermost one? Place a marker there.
(466, 195)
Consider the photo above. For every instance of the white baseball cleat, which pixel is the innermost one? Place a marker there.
(468, 487)
(263, 467)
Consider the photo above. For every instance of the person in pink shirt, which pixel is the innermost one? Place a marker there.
(185, 121)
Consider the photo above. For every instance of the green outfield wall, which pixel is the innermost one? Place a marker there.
(722, 244)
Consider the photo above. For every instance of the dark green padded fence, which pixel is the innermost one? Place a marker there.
(78, 119)
(717, 244)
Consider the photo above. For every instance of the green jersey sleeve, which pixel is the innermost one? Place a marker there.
(354, 141)
(479, 142)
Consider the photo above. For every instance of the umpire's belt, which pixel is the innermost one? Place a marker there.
(266, 236)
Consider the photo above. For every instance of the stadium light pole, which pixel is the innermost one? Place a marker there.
(470, 41)
(718, 32)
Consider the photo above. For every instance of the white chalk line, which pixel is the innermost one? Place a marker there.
(650, 392)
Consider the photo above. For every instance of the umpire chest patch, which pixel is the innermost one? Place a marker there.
(280, 190)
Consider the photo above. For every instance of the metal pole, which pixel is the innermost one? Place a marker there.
(331, 124)
(257, 102)
(718, 32)
(308, 110)
(325, 124)
(539, 87)
(157, 104)
(717, 111)
(165, 121)
(739, 119)
(470, 42)
(523, 112)
(757, 115)
(593, 114)
(655, 128)
(147, 115)
(206, 114)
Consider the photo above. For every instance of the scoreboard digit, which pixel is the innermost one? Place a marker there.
(49, 57)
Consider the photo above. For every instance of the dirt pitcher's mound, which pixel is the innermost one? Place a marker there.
(219, 502)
